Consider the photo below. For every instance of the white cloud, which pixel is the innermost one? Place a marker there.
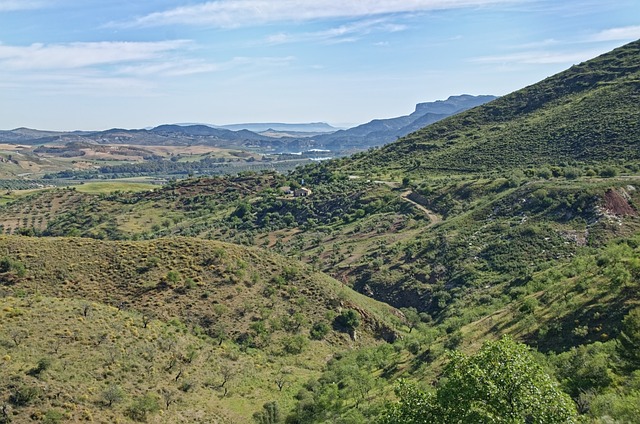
(618, 34)
(195, 66)
(236, 13)
(340, 34)
(553, 51)
(70, 82)
(539, 57)
(113, 68)
(14, 5)
(82, 55)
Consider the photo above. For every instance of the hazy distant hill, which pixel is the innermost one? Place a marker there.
(274, 136)
(161, 135)
(317, 127)
(383, 131)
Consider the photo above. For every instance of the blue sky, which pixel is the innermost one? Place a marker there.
(97, 64)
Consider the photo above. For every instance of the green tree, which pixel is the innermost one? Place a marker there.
(412, 317)
(348, 320)
(415, 407)
(43, 365)
(294, 345)
(9, 265)
(270, 414)
(502, 383)
(608, 172)
(242, 210)
(629, 338)
(112, 394)
(585, 368)
(319, 330)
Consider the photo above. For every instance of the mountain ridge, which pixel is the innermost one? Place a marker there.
(266, 136)
(586, 113)
(382, 131)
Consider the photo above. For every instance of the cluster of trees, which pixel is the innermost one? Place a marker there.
(502, 383)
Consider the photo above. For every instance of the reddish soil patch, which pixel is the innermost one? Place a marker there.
(616, 204)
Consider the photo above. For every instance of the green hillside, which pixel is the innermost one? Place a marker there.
(520, 218)
(168, 318)
(587, 114)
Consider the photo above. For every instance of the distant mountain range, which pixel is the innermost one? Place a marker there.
(277, 137)
(382, 131)
(313, 127)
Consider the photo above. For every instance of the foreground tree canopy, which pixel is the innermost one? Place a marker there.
(502, 383)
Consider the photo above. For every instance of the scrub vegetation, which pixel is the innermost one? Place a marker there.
(482, 269)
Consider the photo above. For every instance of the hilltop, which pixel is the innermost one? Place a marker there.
(587, 114)
(181, 278)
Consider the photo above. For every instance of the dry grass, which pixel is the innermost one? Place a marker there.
(191, 288)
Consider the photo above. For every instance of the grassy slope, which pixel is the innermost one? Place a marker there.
(495, 230)
(248, 295)
(110, 348)
(182, 278)
(573, 312)
(587, 114)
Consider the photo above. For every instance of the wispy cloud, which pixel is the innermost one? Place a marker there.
(554, 51)
(15, 5)
(79, 81)
(343, 33)
(540, 57)
(238, 13)
(196, 66)
(113, 68)
(618, 34)
(82, 55)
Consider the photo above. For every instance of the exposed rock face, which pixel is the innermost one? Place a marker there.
(616, 202)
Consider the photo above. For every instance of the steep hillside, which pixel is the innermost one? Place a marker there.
(587, 114)
(203, 283)
(66, 360)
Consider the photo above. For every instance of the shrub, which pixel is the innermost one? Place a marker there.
(9, 265)
(529, 305)
(24, 395)
(173, 276)
(142, 407)
(294, 345)
(348, 320)
(572, 173)
(53, 416)
(608, 172)
(544, 173)
(319, 330)
(42, 366)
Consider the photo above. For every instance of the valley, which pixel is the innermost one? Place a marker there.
(407, 273)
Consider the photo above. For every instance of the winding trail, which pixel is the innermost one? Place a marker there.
(433, 217)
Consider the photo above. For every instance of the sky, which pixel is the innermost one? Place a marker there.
(99, 64)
